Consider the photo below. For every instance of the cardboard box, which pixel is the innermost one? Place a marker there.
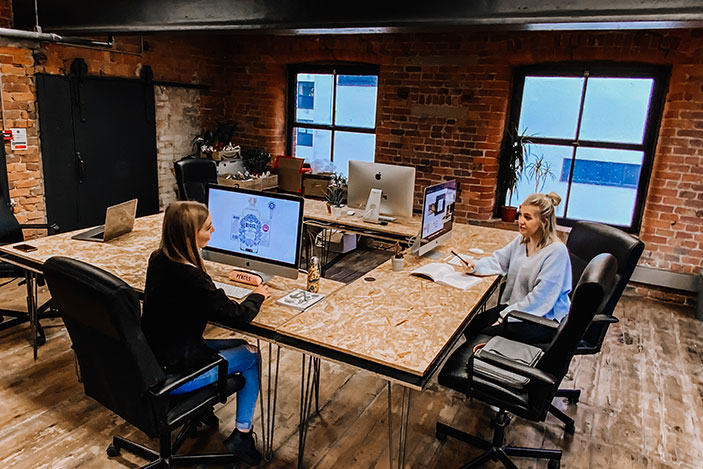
(315, 185)
(255, 184)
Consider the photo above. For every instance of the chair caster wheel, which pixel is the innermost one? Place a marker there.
(554, 464)
(441, 437)
(570, 429)
(572, 400)
(112, 450)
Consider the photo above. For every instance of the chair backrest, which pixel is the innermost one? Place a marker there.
(589, 295)
(10, 230)
(588, 239)
(102, 315)
(192, 175)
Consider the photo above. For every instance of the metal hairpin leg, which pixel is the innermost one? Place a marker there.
(268, 417)
(403, 429)
(31, 281)
(309, 387)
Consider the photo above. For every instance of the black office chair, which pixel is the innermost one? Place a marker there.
(11, 232)
(119, 370)
(192, 176)
(532, 400)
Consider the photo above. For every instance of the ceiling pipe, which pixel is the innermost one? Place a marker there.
(55, 38)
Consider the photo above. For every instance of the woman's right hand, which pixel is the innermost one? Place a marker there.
(263, 290)
(468, 266)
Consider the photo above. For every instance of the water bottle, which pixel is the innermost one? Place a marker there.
(314, 275)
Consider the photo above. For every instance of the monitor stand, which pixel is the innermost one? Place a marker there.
(432, 253)
(373, 206)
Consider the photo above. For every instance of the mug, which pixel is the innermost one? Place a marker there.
(397, 264)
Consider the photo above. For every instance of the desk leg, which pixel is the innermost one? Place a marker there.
(31, 281)
(308, 389)
(268, 416)
(403, 430)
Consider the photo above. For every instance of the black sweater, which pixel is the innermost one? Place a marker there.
(179, 300)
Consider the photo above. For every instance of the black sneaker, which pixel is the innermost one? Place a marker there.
(242, 446)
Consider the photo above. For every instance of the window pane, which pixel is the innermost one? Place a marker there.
(314, 98)
(615, 109)
(542, 170)
(604, 185)
(312, 144)
(352, 146)
(550, 106)
(356, 100)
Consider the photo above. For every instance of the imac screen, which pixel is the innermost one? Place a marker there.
(438, 211)
(261, 226)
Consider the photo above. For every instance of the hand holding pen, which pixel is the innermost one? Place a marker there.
(467, 263)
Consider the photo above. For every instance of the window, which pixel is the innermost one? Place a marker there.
(332, 115)
(592, 131)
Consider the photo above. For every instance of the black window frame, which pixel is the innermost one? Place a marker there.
(660, 75)
(333, 69)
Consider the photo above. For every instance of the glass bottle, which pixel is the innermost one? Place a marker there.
(314, 275)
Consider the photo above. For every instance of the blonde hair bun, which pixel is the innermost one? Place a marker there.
(555, 198)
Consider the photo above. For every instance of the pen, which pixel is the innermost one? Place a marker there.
(462, 260)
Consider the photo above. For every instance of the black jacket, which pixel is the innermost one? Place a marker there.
(179, 300)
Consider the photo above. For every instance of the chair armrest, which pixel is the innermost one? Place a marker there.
(51, 228)
(515, 367)
(179, 380)
(531, 318)
(604, 319)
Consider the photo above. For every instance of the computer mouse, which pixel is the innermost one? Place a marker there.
(476, 250)
(350, 213)
(383, 223)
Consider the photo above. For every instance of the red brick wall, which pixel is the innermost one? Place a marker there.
(442, 107)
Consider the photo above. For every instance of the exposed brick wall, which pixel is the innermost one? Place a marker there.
(442, 107)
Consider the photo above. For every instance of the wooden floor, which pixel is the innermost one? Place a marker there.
(642, 406)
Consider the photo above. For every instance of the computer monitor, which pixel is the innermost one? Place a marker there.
(259, 231)
(438, 205)
(396, 182)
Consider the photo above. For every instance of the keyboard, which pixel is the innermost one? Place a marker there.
(385, 218)
(234, 291)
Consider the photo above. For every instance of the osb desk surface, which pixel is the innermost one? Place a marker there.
(397, 320)
(405, 227)
(127, 257)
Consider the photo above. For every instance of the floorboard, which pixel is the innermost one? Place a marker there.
(641, 407)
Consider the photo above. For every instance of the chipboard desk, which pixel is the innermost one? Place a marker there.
(392, 324)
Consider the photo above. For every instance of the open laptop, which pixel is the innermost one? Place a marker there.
(119, 219)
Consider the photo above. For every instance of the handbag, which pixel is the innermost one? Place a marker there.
(510, 349)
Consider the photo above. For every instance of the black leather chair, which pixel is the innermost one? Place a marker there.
(119, 370)
(11, 232)
(192, 176)
(534, 400)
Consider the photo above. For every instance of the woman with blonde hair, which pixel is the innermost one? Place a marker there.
(179, 300)
(537, 272)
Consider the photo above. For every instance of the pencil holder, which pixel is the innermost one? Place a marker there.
(397, 264)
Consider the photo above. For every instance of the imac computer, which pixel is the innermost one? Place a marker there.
(437, 217)
(397, 185)
(258, 231)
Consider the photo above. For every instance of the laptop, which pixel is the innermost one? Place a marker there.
(119, 219)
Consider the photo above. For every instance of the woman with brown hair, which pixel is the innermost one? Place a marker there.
(537, 272)
(179, 300)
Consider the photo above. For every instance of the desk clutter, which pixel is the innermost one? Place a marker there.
(300, 299)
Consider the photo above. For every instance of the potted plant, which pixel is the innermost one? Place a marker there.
(397, 260)
(255, 160)
(210, 143)
(513, 153)
(336, 194)
(538, 171)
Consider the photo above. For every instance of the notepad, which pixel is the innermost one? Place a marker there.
(300, 299)
(444, 274)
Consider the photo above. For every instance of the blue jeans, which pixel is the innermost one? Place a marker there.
(239, 360)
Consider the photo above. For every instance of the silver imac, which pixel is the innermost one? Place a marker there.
(438, 205)
(397, 184)
(257, 231)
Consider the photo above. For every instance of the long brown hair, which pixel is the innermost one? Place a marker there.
(179, 238)
(545, 204)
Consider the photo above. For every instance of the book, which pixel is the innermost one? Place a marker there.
(300, 299)
(444, 274)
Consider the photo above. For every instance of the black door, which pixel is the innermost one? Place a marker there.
(99, 147)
